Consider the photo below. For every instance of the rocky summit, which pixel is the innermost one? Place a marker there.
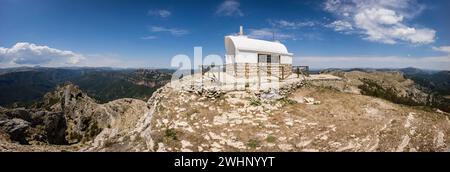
(349, 114)
(67, 119)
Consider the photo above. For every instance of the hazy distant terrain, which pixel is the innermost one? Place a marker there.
(25, 86)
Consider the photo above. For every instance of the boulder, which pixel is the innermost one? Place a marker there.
(16, 129)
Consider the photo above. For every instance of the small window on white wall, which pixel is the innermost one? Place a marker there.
(275, 58)
(268, 58)
(263, 58)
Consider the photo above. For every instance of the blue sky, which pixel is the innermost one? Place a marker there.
(327, 33)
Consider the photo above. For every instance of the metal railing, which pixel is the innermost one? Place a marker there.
(268, 68)
(300, 70)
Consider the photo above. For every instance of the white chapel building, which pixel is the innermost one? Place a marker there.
(247, 57)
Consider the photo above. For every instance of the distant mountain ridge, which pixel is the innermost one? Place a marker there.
(24, 86)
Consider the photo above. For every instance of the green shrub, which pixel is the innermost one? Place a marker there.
(271, 139)
(171, 134)
(372, 88)
(253, 143)
(287, 101)
(255, 101)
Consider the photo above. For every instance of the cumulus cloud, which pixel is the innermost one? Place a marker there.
(436, 63)
(24, 53)
(29, 54)
(382, 21)
(2, 54)
(268, 34)
(445, 49)
(173, 31)
(340, 25)
(230, 8)
(159, 13)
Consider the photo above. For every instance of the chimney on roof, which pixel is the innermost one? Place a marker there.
(241, 30)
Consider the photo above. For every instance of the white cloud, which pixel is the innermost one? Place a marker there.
(151, 37)
(24, 53)
(230, 8)
(445, 49)
(380, 16)
(436, 63)
(29, 54)
(380, 20)
(2, 54)
(268, 34)
(291, 24)
(173, 31)
(340, 25)
(159, 13)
